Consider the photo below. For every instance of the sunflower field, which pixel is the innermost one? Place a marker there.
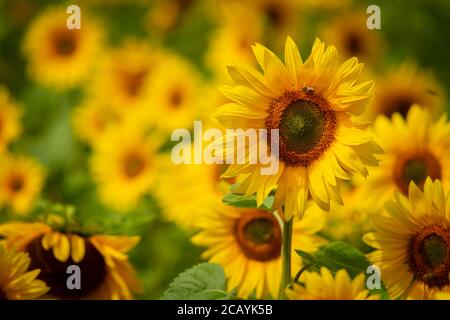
(96, 96)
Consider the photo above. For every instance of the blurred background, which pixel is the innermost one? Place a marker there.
(155, 65)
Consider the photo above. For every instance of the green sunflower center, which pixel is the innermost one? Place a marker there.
(416, 167)
(429, 255)
(434, 250)
(54, 272)
(301, 126)
(258, 234)
(259, 231)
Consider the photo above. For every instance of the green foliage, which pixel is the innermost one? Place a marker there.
(205, 281)
(241, 201)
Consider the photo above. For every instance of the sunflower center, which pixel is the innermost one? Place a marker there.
(400, 105)
(258, 234)
(354, 44)
(16, 183)
(275, 14)
(429, 255)
(65, 43)
(134, 81)
(134, 165)
(3, 296)
(176, 98)
(416, 167)
(54, 272)
(306, 125)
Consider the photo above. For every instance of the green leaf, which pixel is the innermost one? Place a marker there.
(205, 281)
(340, 255)
(242, 201)
(307, 258)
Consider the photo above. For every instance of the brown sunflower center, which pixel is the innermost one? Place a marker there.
(429, 255)
(134, 81)
(133, 165)
(176, 98)
(258, 234)
(400, 104)
(306, 125)
(54, 273)
(354, 44)
(275, 14)
(416, 167)
(65, 42)
(16, 183)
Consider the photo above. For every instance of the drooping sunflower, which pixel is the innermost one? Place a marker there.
(21, 180)
(94, 118)
(325, 286)
(247, 243)
(314, 105)
(400, 89)
(10, 126)
(102, 259)
(352, 38)
(173, 96)
(123, 78)
(17, 281)
(123, 166)
(57, 56)
(420, 149)
(412, 242)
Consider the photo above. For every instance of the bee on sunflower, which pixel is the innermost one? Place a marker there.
(412, 242)
(102, 259)
(315, 106)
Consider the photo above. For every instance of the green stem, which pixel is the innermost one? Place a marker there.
(286, 258)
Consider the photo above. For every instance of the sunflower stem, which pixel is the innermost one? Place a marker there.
(285, 258)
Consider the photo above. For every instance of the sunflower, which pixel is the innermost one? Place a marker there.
(21, 180)
(247, 243)
(241, 27)
(95, 117)
(102, 259)
(123, 165)
(352, 38)
(166, 15)
(124, 77)
(173, 96)
(398, 90)
(10, 126)
(16, 282)
(314, 105)
(191, 180)
(51, 47)
(421, 149)
(325, 286)
(412, 242)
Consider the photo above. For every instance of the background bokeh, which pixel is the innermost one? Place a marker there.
(415, 31)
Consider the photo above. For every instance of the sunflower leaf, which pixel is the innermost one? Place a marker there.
(242, 201)
(205, 281)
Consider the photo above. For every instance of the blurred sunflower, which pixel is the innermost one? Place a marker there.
(165, 15)
(242, 26)
(16, 282)
(123, 166)
(352, 38)
(93, 118)
(413, 242)
(400, 89)
(57, 56)
(173, 96)
(103, 260)
(420, 149)
(247, 243)
(191, 180)
(21, 180)
(325, 286)
(10, 126)
(123, 77)
(315, 106)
